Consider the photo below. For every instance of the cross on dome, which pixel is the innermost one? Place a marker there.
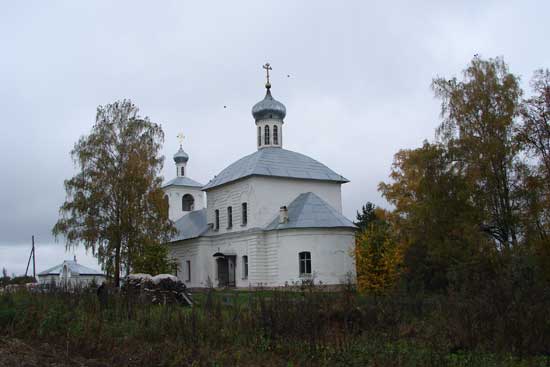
(267, 67)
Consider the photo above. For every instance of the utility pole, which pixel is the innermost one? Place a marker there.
(31, 255)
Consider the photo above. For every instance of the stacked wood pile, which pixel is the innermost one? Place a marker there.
(160, 289)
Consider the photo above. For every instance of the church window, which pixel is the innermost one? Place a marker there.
(245, 267)
(275, 135)
(266, 135)
(229, 217)
(182, 171)
(188, 270)
(166, 204)
(305, 263)
(259, 136)
(244, 208)
(217, 219)
(187, 203)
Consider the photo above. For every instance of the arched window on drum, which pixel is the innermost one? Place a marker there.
(187, 203)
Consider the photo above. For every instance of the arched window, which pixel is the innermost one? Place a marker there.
(266, 135)
(259, 136)
(187, 203)
(182, 171)
(216, 219)
(166, 204)
(305, 263)
(229, 217)
(275, 135)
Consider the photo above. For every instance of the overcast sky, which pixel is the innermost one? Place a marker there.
(354, 76)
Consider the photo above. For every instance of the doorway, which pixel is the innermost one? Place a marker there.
(226, 270)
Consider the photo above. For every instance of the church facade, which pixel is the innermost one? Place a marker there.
(272, 218)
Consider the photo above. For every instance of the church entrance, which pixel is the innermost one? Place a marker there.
(226, 270)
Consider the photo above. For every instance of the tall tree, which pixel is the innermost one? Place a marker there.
(366, 216)
(478, 124)
(435, 220)
(114, 204)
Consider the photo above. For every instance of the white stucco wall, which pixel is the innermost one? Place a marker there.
(264, 196)
(272, 256)
(175, 193)
(73, 280)
(331, 251)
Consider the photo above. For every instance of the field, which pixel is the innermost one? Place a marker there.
(307, 327)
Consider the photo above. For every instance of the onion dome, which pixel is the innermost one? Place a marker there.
(181, 156)
(268, 108)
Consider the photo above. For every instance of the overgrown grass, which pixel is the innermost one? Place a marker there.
(270, 328)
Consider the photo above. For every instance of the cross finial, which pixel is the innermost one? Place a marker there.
(267, 67)
(181, 137)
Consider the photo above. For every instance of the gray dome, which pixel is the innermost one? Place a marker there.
(269, 107)
(181, 156)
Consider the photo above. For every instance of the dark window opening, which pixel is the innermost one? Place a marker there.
(217, 219)
(187, 203)
(266, 135)
(245, 267)
(188, 270)
(166, 205)
(229, 217)
(275, 135)
(305, 262)
(183, 171)
(259, 136)
(244, 208)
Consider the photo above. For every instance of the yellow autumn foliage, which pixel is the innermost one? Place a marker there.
(378, 258)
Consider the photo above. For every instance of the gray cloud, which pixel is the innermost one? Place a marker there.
(358, 91)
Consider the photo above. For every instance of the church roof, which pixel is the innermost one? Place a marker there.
(191, 225)
(73, 266)
(182, 181)
(275, 162)
(310, 211)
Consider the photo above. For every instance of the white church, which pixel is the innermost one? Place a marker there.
(272, 218)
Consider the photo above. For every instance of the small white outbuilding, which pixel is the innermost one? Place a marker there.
(71, 274)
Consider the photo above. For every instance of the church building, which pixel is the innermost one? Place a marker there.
(272, 218)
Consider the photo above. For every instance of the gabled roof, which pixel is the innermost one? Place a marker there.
(191, 225)
(182, 181)
(310, 211)
(74, 267)
(275, 162)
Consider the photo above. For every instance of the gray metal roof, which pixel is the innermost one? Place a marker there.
(191, 225)
(269, 107)
(276, 162)
(73, 266)
(182, 181)
(310, 211)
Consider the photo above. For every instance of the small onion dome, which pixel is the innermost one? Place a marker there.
(181, 156)
(269, 107)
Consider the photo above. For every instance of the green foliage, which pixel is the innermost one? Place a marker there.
(366, 216)
(312, 327)
(115, 203)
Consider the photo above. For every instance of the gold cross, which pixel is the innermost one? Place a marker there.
(180, 138)
(267, 67)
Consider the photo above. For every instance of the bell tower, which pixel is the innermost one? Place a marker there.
(182, 193)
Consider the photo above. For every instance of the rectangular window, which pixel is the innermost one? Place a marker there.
(244, 210)
(305, 263)
(188, 270)
(217, 219)
(245, 267)
(229, 217)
